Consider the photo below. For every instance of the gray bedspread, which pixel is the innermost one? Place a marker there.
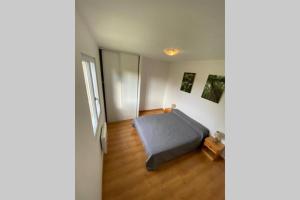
(167, 136)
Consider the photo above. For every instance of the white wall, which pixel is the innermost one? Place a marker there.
(153, 83)
(88, 156)
(208, 113)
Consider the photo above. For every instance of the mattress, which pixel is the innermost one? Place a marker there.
(169, 135)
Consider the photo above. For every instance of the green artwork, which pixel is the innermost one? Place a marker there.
(214, 88)
(187, 82)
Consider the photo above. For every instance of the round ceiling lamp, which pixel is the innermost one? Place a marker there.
(171, 51)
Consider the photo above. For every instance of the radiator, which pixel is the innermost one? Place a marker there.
(103, 138)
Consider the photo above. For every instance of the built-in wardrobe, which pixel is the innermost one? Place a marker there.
(121, 84)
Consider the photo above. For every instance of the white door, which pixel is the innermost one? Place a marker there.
(121, 84)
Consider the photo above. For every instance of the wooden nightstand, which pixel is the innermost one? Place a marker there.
(167, 110)
(212, 149)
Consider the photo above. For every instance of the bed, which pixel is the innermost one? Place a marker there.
(169, 135)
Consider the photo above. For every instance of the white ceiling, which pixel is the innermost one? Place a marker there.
(146, 27)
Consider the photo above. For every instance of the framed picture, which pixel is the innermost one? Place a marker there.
(187, 82)
(214, 88)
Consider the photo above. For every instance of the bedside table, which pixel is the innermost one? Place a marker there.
(212, 149)
(167, 110)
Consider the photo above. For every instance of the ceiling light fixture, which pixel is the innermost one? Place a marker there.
(171, 51)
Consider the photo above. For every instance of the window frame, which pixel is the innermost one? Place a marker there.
(92, 89)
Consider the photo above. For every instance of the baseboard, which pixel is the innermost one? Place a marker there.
(121, 121)
(157, 109)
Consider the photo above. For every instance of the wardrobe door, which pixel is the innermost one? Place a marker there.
(112, 84)
(121, 85)
(129, 87)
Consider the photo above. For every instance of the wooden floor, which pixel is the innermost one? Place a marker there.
(191, 176)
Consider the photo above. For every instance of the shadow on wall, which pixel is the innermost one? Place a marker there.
(120, 94)
(154, 77)
(148, 85)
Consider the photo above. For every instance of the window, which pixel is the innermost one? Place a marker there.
(89, 70)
